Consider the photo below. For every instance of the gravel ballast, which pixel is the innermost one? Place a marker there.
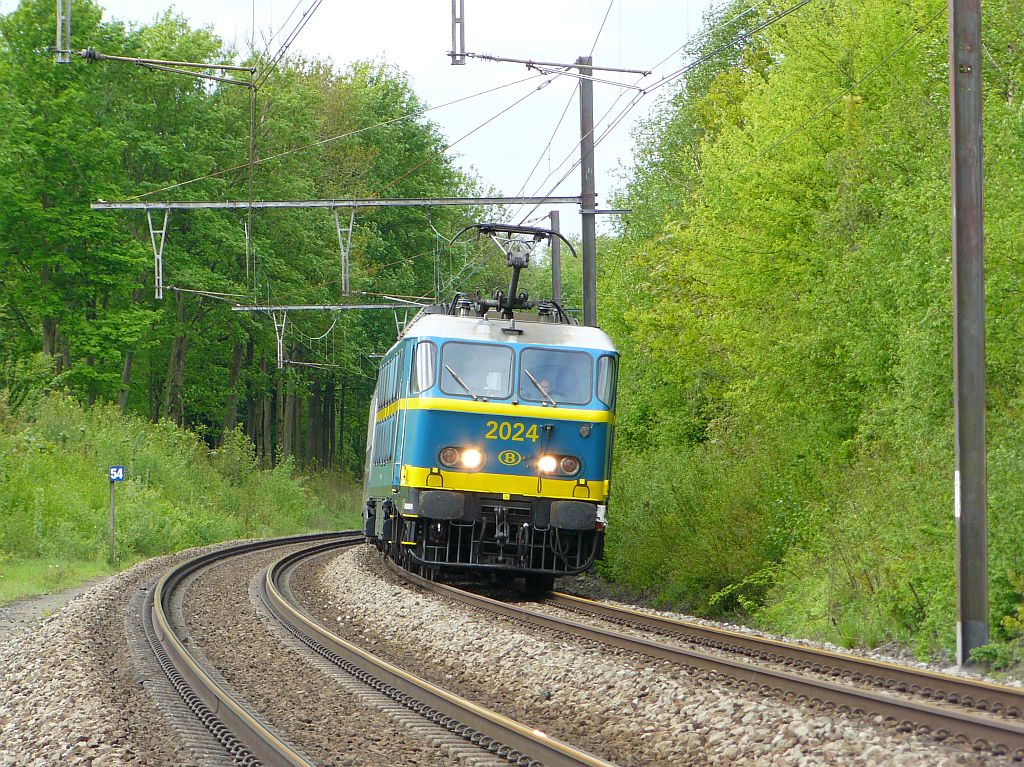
(590, 586)
(315, 708)
(72, 693)
(627, 709)
(69, 694)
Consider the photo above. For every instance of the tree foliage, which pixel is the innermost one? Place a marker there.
(77, 285)
(782, 298)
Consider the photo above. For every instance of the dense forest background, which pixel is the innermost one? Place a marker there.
(77, 284)
(217, 440)
(782, 299)
(781, 296)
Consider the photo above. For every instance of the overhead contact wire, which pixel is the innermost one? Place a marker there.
(675, 76)
(329, 139)
(551, 139)
(485, 123)
(300, 25)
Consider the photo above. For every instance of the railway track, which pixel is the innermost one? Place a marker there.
(248, 740)
(983, 715)
(252, 742)
(929, 685)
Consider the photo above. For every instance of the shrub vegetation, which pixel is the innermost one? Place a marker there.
(54, 493)
(781, 295)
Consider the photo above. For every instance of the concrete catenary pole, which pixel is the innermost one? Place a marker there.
(556, 259)
(588, 192)
(970, 481)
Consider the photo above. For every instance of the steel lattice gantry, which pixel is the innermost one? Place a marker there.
(158, 234)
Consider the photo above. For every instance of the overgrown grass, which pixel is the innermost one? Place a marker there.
(54, 491)
(684, 525)
(339, 500)
(24, 578)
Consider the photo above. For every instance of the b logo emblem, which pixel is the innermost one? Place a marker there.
(510, 457)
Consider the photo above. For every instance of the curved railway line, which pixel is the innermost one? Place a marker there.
(252, 742)
(931, 685)
(980, 714)
(249, 741)
(984, 715)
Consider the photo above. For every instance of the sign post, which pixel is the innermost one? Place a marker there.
(116, 475)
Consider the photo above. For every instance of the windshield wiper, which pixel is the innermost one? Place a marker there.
(540, 388)
(461, 383)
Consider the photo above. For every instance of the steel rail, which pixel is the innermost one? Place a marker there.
(529, 741)
(974, 693)
(225, 717)
(1001, 736)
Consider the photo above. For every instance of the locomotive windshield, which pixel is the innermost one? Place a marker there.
(476, 370)
(555, 376)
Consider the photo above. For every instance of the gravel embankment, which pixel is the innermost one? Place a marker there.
(627, 709)
(641, 632)
(591, 586)
(68, 693)
(289, 689)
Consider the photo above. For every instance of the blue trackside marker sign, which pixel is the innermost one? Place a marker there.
(117, 473)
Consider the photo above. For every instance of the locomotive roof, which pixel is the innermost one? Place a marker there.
(490, 329)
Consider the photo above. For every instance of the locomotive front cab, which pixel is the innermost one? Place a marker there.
(503, 449)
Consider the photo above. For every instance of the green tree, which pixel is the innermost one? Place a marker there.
(783, 292)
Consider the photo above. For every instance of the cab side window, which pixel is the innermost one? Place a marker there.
(607, 370)
(424, 367)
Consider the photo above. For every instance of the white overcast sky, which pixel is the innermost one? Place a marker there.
(416, 35)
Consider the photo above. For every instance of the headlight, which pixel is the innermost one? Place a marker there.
(461, 458)
(561, 465)
(472, 458)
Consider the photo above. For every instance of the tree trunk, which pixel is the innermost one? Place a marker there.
(129, 356)
(49, 336)
(288, 425)
(312, 430)
(126, 377)
(155, 386)
(324, 426)
(268, 417)
(231, 403)
(279, 405)
(250, 415)
(49, 324)
(330, 413)
(257, 427)
(257, 419)
(90, 395)
(297, 425)
(173, 405)
(63, 352)
(250, 401)
(90, 359)
(341, 427)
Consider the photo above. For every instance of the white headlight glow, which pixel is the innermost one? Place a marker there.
(472, 458)
(547, 464)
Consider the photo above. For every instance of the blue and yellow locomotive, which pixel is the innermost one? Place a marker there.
(490, 439)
